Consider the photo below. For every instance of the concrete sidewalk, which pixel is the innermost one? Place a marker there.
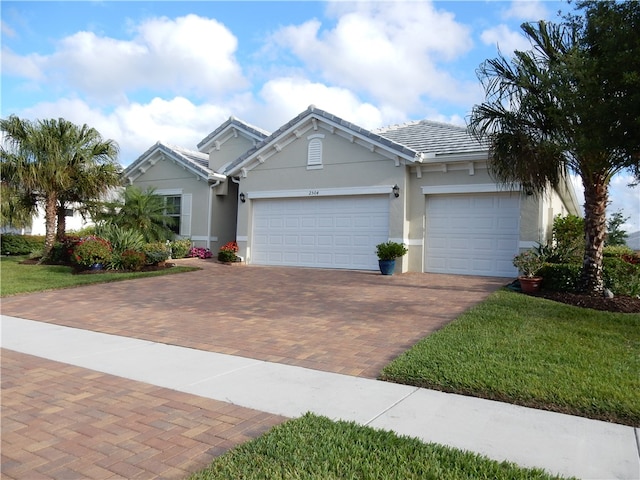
(561, 444)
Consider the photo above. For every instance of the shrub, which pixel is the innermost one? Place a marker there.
(91, 251)
(568, 235)
(180, 248)
(14, 244)
(156, 252)
(616, 251)
(621, 277)
(200, 252)
(132, 260)
(122, 239)
(228, 252)
(561, 277)
(62, 252)
(390, 250)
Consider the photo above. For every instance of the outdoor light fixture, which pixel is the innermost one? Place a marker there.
(396, 191)
(243, 198)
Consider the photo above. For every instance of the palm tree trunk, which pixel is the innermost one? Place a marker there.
(62, 223)
(50, 224)
(595, 223)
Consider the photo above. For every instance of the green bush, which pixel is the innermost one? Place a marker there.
(226, 256)
(132, 260)
(156, 252)
(62, 252)
(616, 251)
(122, 239)
(390, 250)
(14, 244)
(568, 235)
(91, 251)
(621, 277)
(560, 277)
(620, 274)
(180, 248)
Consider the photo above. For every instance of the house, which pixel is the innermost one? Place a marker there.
(322, 192)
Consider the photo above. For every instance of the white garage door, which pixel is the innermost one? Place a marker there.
(328, 232)
(472, 234)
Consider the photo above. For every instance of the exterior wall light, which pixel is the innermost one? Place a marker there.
(243, 198)
(396, 191)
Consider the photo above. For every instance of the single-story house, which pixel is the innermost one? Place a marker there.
(323, 192)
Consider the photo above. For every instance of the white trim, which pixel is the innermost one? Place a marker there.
(473, 188)
(169, 191)
(242, 238)
(322, 192)
(203, 238)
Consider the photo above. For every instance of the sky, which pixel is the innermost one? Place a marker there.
(173, 71)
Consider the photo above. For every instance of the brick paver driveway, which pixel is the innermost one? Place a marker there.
(61, 421)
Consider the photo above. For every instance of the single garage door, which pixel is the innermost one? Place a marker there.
(472, 234)
(327, 232)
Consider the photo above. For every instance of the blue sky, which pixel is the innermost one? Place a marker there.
(140, 72)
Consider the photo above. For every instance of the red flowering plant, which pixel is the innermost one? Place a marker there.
(92, 251)
(228, 252)
(200, 252)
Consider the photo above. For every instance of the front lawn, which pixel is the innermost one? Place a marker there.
(315, 448)
(19, 278)
(533, 352)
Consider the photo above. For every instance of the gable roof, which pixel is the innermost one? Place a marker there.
(235, 125)
(312, 115)
(195, 162)
(434, 138)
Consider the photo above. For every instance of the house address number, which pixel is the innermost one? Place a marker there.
(314, 193)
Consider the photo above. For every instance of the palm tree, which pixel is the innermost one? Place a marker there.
(46, 158)
(143, 211)
(552, 111)
(17, 207)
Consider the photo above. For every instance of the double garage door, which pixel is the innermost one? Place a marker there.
(472, 234)
(326, 232)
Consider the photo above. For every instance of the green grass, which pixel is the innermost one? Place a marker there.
(313, 447)
(533, 352)
(18, 278)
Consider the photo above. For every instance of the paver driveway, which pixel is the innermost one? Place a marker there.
(350, 322)
(61, 421)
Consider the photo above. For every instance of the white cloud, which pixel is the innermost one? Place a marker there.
(191, 54)
(506, 39)
(284, 98)
(390, 50)
(135, 126)
(530, 11)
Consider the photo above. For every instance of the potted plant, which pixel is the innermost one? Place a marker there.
(387, 253)
(529, 264)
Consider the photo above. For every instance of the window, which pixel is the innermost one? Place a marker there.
(172, 209)
(314, 152)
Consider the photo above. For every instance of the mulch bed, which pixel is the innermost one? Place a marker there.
(619, 304)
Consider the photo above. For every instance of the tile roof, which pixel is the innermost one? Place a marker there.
(234, 122)
(312, 110)
(197, 161)
(430, 137)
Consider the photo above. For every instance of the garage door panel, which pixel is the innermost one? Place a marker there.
(353, 225)
(474, 234)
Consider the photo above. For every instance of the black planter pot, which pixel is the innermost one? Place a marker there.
(387, 266)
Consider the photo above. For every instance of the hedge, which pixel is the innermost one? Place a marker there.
(14, 244)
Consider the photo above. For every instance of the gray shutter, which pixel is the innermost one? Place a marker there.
(185, 215)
